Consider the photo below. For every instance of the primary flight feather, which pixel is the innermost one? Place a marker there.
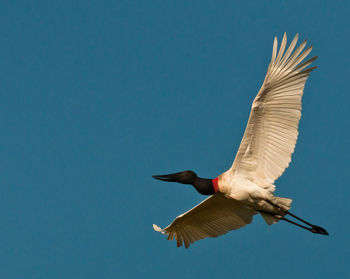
(264, 153)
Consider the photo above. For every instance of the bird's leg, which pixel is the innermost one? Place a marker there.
(289, 213)
(314, 228)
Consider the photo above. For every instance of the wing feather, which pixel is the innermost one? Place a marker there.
(272, 130)
(213, 217)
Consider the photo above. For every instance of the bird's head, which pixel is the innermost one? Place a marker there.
(184, 177)
(204, 186)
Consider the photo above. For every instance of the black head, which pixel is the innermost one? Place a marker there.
(204, 186)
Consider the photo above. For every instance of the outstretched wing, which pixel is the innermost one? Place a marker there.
(213, 217)
(272, 130)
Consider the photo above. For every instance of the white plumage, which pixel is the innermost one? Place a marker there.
(213, 217)
(272, 130)
(264, 153)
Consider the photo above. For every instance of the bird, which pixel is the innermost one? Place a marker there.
(247, 188)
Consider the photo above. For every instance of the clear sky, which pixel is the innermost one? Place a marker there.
(96, 96)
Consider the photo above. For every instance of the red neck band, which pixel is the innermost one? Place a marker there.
(215, 184)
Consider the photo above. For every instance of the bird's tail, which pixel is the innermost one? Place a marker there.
(284, 203)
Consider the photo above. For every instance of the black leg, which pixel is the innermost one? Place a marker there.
(313, 229)
(289, 213)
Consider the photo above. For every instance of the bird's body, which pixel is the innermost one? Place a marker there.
(240, 188)
(243, 190)
(265, 152)
(252, 195)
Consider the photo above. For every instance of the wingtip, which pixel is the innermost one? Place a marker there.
(284, 36)
(157, 229)
(295, 39)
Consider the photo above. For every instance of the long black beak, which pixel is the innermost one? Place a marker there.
(174, 177)
(184, 177)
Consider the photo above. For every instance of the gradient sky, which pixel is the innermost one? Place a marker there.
(96, 96)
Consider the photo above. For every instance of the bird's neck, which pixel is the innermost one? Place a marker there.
(206, 186)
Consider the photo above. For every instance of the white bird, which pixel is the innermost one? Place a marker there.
(264, 153)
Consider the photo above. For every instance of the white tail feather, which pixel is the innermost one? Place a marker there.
(284, 203)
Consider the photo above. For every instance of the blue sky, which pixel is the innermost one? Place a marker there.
(96, 96)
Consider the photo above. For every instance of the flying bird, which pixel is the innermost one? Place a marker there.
(265, 152)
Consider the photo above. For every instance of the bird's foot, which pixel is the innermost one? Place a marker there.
(319, 230)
